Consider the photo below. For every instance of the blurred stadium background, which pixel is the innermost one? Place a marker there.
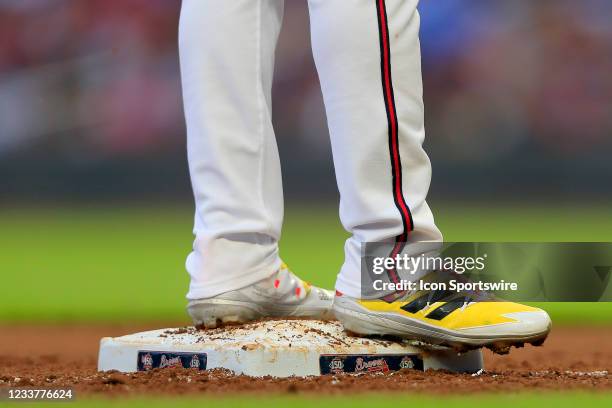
(518, 97)
(95, 201)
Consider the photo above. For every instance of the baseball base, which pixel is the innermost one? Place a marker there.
(278, 348)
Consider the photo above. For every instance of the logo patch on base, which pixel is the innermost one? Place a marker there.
(148, 360)
(368, 363)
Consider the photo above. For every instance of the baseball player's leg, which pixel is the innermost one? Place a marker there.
(367, 54)
(375, 115)
(227, 59)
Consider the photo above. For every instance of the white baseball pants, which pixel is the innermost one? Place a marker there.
(367, 55)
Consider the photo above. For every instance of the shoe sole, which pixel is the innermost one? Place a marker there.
(213, 313)
(368, 324)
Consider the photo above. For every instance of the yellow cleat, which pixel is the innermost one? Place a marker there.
(444, 319)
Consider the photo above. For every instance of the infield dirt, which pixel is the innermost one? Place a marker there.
(65, 356)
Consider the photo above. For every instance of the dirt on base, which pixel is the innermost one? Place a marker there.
(65, 356)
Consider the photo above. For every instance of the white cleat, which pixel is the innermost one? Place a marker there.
(281, 295)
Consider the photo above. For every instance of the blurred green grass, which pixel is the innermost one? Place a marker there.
(126, 262)
(549, 399)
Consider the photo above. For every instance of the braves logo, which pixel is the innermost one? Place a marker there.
(380, 364)
(170, 362)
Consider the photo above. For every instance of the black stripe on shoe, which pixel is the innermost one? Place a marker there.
(447, 308)
(421, 302)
